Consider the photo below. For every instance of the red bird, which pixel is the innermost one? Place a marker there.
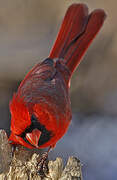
(41, 109)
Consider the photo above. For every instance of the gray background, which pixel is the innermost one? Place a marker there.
(27, 31)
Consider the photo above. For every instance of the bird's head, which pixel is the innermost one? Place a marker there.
(26, 128)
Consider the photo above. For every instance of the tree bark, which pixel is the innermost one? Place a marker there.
(22, 164)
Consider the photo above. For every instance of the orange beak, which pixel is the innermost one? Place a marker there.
(33, 137)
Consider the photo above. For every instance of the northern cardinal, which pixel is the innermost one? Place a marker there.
(40, 109)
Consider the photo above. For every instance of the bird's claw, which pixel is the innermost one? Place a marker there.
(42, 167)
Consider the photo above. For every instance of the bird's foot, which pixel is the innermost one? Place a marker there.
(42, 167)
(14, 149)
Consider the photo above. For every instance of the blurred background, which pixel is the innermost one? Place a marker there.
(27, 31)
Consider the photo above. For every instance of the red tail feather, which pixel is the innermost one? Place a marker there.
(76, 33)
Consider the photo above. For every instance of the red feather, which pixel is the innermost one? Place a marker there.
(41, 110)
(76, 33)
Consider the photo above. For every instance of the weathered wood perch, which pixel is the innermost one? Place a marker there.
(22, 166)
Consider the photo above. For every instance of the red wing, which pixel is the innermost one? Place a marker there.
(41, 72)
